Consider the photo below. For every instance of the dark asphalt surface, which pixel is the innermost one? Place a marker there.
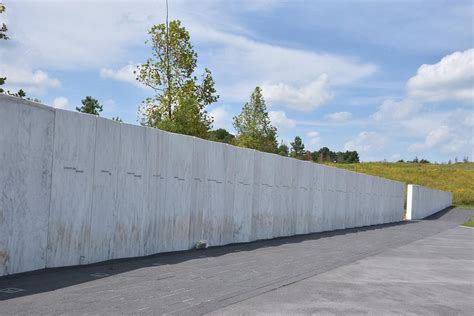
(242, 278)
(430, 276)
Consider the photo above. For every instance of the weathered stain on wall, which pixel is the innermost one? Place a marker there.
(78, 189)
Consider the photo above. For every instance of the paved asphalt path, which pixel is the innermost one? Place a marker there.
(418, 267)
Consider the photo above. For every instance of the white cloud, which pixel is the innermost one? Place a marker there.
(221, 117)
(111, 32)
(339, 116)
(124, 74)
(455, 146)
(468, 120)
(313, 134)
(61, 103)
(304, 98)
(243, 56)
(109, 107)
(367, 143)
(110, 29)
(423, 129)
(434, 137)
(252, 5)
(420, 124)
(446, 132)
(280, 120)
(31, 81)
(74, 34)
(241, 63)
(396, 110)
(314, 139)
(450, 79)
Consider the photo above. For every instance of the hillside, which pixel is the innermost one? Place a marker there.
(457, 178)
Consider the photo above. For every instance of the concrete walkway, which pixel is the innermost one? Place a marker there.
(432, 276)
(420, 267)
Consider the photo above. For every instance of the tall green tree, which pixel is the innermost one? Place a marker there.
(3, 27)
(2, 82)
(90, 105)
(187, 117)
(180, 101)
(221, 135)
(283, 150)
(3, 36)
(351, 157)
(326, 155)
(307, 155)
(253, 126)
(297, 148)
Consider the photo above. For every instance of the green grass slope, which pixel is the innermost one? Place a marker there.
(470, 222)
(457, 178)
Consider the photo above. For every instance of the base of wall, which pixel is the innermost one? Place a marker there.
(228, 248)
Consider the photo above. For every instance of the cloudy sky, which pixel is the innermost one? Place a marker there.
(390, 79)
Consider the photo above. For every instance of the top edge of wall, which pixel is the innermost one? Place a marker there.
(50, 108)
(429, 188)
(26, 102)
(355, 172)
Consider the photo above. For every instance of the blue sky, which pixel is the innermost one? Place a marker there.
(390, 79)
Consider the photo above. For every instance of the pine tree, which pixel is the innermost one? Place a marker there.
(90, 105)
(297, 148)
(253, 126)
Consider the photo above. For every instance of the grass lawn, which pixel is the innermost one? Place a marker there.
(465, 206)
(457, 178)
(470, 222)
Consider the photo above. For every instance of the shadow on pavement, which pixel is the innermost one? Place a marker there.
(51, 279)
(443, 214)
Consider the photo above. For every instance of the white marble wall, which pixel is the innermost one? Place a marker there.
(423, 201)
(78, 189)
(69, 226)
(26, 156)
